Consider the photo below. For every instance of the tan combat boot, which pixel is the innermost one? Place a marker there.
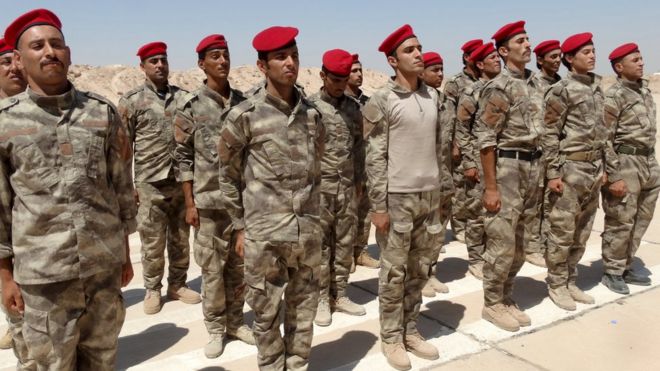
(323, 314)
(438, 286)
(184, 294)
(515, 312)
(536, 259)
(499, 316)
(365, 260)
(345, 305)
(418, 346)
(152, 302)
(243, 334)
(396, 355)
(562, 298)
(477, 270)
(6, 341)
(215, 346)
(579, 295)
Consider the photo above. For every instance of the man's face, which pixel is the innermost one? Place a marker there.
(551, 61)
(631, 66)
(491, 65)
(584, 59)
(43, 56)
(517, 50)
(355, 78)
(156, 68)
(281, 66)
(216, 64)
(408, 57)
(11, 78)
(433, 75)
(333, 84)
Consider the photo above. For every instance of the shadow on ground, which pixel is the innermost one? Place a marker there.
(446, 312)
(151, 342)
(350, 348)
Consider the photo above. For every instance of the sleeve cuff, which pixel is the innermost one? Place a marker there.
(130, 226)
(238, 224)
(553, 174)
(6, 251)
(611, 178)
(378, 207)
(186, 176)
(469, 165)
(487, 143)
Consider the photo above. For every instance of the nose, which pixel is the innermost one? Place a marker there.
(48, 49)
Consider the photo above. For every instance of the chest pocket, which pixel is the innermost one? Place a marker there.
(95, 155)
(35, 173)
(641, 113)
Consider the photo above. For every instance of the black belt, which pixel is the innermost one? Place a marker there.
(628, 150)
(519, 155)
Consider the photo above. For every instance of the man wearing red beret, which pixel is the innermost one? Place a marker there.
(270, 151)
(403, 182)
(634, 176)
(67, 206)
(196, 130)
(341, 172)
(432, 76)
(148, 112)
(509, 142)
(548, 60)
(453, 89)
(488, 66)
(575, 145)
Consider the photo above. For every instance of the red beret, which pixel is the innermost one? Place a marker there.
(395, 39)
(5, 48)
(274, 38)
(356, 58)
(151, 49)
(575, 42)
(211, 41)
(34, 17)
(508, 31)
(431, 59)
(338, 62)
(471, 45)
(546, 46)
(619, 52)
(482, 52)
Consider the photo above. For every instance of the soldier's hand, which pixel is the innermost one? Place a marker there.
(136, 196)
(556, 185)
(381, 221)
(11, 297)
(492, 201)
(472, 174)
(618, 188)
(455, 152)
(192, 216)
(604, 179)
(239, 242)
(126, 272)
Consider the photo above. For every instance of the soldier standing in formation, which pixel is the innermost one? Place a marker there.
(148, 113)
(197, 129)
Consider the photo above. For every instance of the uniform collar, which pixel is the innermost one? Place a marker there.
(151, 86)
(634, 85)
(525, 75)
(392, 85)
(212, 94)
(60, 102)
(335, 102)
(589, 78)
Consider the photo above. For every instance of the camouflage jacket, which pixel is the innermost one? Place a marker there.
(360, 98)
(506, 115)
(465, 119)
(270, 167)
(342, 164)
(454, 88)
(446, 118)
(196, 130)
(66, 191)
(149, 119)
(541, 83)
(630, 116)
(573, 117)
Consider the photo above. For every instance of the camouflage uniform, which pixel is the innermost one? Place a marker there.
(341, 169)
(270, 175)
(66, 179)
(467, 140)
(506, 120)
(197, 129)
(574, 143)
(415, 226)
(630, 115)
(161, 214)
(454, 87)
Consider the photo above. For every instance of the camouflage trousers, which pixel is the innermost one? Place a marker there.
(162, 225)
(273, 269)
(338, 221)
(458, 210)
(517, 182)
(15, 323)
(536, 239)
(628, 217)
(415, 229)
(74, 325)
(444, 209)
(475, 236)
(570, 218)
(363, 224)
(223, 293)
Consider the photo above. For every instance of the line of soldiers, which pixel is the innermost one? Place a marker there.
(275, 184)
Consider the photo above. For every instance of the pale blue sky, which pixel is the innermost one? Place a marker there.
(110, 32)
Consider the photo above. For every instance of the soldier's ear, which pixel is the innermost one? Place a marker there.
(200, 64)
(262, 65)
(393, 61)
(16, 59)
(618, 67)
(503, 51)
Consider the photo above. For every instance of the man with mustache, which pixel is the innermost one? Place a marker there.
(198, 122)
(575, 143)
(270, 150)
(401, 119)
(509, 142)
(148, 112)
(66, 206)
(633, 174)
